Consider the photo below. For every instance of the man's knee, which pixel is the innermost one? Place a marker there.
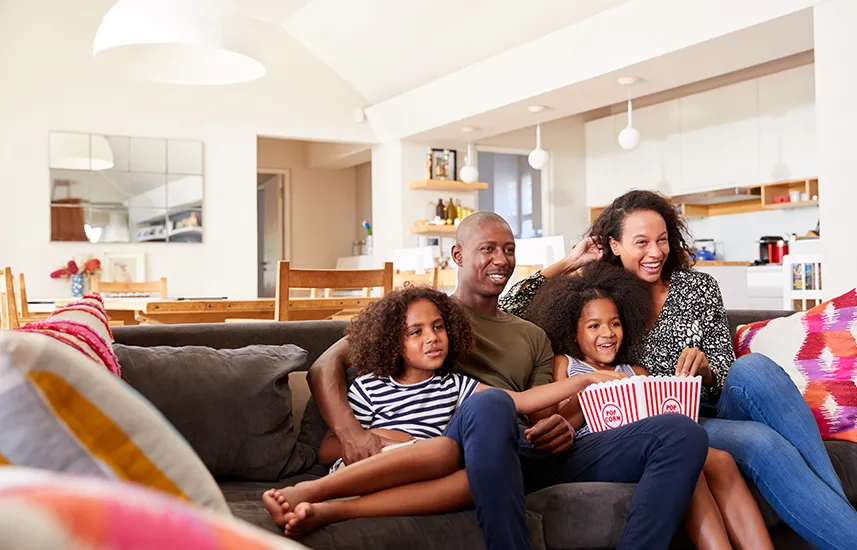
(492, 403)
(687, 436)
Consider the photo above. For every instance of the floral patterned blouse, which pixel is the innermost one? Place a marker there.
(693, 316)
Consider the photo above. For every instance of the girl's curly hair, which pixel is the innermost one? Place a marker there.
(560, 302)
(376, 336)
(611, 221)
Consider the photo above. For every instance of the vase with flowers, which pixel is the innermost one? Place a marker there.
(78, 274)
(367, 247)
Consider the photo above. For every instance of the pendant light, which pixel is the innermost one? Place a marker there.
(469, 173)
(538, 157)
(629, 137)
(190, 42)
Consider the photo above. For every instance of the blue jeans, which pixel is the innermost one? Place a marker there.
(765, 424)
(663, 455)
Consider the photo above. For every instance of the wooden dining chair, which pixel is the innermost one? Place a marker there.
(287, 308)
(429, 278)
(158, 287)
(8, 307)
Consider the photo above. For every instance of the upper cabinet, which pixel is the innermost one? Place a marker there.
(757, 131)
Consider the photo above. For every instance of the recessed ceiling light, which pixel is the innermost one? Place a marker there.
(468, 129)
(536, 108)
(629, 80)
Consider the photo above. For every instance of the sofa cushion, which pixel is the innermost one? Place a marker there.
(843, 455)
(42, 510)
(455, 530)
(232, 405)
(59, 411)
(817, 348)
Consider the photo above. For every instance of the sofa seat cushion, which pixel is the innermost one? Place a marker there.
(232, 405)
(843, 455)
(455, 530)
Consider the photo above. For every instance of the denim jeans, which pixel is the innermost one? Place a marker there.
(765, 424)
(663, 455)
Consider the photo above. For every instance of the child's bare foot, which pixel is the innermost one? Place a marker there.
(307, 517)
(276, 505)
(279, 502)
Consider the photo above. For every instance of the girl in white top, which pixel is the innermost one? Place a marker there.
(596, 322)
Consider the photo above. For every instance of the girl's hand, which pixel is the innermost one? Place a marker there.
(692, 362)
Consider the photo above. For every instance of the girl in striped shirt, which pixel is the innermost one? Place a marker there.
(407, 345)
(596, 322)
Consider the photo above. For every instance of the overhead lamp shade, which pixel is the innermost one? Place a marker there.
(469, 174)
(629, 138)
(189, 42)
(538, 157)
(80, 152)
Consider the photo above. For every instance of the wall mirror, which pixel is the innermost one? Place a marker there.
(119, 189)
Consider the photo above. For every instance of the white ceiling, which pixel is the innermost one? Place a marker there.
(385, 47)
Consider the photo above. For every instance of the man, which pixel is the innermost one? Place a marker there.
(663, 454)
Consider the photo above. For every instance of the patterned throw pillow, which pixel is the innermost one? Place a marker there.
(817, 348)
(60, 412)
(82, 325)
(42, 510)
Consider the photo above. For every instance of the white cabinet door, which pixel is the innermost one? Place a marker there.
(602, 154)
(720, 138)
(655, 163)
(787, 125)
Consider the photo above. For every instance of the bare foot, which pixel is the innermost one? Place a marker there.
(307, 517)
(276, 505)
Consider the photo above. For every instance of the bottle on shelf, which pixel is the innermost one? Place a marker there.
(451, 212)
(440, 209)
(428, 174)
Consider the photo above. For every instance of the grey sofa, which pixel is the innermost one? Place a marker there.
(582, 515)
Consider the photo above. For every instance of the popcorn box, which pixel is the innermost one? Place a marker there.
(613, 404)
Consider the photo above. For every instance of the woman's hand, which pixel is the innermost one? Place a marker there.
(585, 252)
(693, 362)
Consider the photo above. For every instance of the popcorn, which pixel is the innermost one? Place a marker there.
(613, 404)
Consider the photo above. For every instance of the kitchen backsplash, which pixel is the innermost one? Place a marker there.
(736, 235)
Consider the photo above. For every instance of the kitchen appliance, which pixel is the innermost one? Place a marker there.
(706, 250)
(772, 250)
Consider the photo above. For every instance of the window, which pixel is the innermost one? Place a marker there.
(514, 192)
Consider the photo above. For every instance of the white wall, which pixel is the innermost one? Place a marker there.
(835, 45)
(364, 196)
(323, 204)
(757, 131)
(47, 47)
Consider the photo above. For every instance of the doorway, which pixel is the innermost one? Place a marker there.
(273, 229)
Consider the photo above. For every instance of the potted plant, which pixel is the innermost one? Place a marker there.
(79, 275)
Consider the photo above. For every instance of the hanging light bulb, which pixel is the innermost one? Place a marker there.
(538, 157)
(469, 173)
(629, 137)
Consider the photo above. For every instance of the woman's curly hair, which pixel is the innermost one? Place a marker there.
(559, 304)
(376, 336)
(610, 224)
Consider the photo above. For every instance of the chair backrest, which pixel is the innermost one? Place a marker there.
(158, 287)
(23, 305)
(429, 278)
(328, 279)
(8, 307)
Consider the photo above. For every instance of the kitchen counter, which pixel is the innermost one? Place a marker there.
(721, 263)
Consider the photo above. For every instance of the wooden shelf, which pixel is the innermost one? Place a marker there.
(799, 204)
(447, 185)
(765, 201)
(434, 229)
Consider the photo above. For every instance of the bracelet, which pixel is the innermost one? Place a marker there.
(570, 427)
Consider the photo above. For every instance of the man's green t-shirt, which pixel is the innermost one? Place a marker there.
(508, 352)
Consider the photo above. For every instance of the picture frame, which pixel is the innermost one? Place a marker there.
(444, 164)
(124, 267)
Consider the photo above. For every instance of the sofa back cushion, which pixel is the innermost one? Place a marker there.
(62, 411)
(232, 405)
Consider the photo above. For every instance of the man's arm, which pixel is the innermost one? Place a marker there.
(328, 384)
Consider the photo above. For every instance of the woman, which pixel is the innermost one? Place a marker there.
(756, 412)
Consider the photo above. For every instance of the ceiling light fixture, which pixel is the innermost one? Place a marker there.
(469, 173)
(468, 129)
(538, 157)
(190, 42)
(629, 137)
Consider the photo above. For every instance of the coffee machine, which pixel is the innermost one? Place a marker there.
(772, 250)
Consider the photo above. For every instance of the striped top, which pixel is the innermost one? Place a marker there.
(576, 366)
(422, 410)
